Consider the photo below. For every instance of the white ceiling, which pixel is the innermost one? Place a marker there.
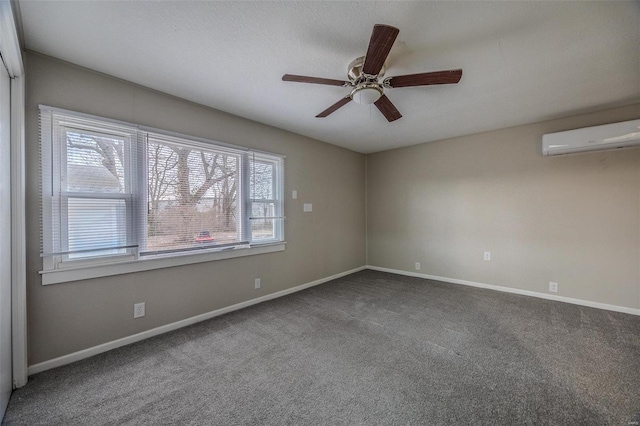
(523, 61)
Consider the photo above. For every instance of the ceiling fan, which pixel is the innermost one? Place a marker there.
(365, 72)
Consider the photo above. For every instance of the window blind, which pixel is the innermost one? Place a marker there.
(193, 195)
(88, 182)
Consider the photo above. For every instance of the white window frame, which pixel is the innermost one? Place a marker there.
(58, 267)
(59, 149)
(277, 201)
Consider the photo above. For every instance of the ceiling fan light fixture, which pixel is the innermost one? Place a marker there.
(366, 94)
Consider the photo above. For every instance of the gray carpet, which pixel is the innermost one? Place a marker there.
(370, 348)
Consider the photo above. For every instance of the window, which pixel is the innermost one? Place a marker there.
(266, 209)
(192, 196)
(115, 192)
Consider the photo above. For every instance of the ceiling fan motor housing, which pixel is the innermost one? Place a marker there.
(354, 70)
(367, 89)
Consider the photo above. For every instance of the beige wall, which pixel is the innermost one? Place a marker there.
(64, 318)
(571, 219)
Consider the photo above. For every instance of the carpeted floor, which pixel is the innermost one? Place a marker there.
(370, 348)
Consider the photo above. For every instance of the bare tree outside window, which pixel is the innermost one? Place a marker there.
(163, 180)
(190, 191)
(92, 158)
(192, 196)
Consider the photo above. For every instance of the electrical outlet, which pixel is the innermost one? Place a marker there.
(487, 255)
(258, 284)
(553, 287)
(138, 310)
(417, 266)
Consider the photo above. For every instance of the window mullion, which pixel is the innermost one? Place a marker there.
(140, 191)
(61, 240)
(245, 197)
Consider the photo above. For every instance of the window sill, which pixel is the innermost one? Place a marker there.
(95, 271)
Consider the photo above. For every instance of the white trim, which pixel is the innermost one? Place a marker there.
(18, 236)
(9, 42)
(56, 276)
(95, 350)
(571, 300)
(12, 58)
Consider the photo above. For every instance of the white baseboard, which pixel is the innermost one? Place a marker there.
(581, 302)
(95, 350)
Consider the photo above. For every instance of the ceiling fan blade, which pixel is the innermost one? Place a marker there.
(342, 102)
(387, 108)
(315, 80)
(425, 78)
(382, 39)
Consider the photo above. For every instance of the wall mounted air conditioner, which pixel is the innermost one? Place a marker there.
(609, 136)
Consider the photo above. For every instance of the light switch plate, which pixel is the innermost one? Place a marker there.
(308, 207)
